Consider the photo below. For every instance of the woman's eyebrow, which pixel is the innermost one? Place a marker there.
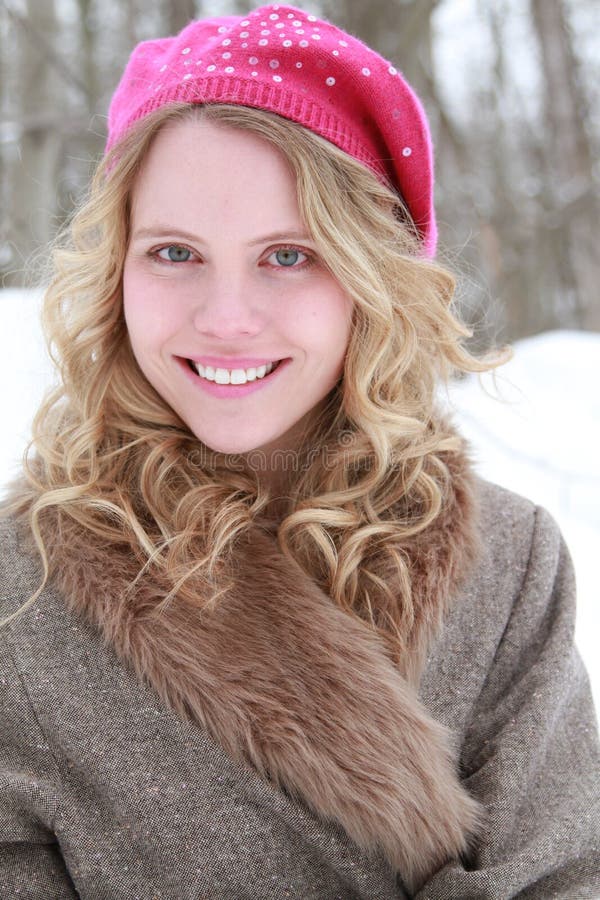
(154, 231)
(281, 235)
(159, 229)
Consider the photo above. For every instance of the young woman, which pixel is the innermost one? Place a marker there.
(265, 634)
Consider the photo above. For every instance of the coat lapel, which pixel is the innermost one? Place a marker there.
(287, 682)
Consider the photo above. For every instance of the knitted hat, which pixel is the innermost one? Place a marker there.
(283, 60)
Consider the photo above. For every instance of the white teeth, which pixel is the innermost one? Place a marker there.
(233, 376)
(238, 376)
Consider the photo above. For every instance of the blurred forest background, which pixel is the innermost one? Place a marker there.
(512, 88)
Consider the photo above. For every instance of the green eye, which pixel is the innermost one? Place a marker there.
(175, 253)
(290, 258)
(287, 256)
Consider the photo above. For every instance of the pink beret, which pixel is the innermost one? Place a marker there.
(281, 59)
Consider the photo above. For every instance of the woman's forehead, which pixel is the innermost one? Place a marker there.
(199, 176)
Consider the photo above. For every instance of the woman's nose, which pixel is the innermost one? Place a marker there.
(227, 307)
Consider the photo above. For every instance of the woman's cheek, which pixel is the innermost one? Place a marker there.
(143, 302)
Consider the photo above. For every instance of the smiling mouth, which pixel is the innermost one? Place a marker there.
(233, 376)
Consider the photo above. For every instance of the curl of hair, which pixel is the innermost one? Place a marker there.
(111, 454)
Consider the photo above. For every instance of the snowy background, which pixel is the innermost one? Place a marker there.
(534, 428)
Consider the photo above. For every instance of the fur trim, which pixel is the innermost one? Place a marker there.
(286, 681)
(441, 557)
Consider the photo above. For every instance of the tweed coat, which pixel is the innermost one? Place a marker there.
(288, 756)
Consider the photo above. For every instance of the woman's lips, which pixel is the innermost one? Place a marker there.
(233, 362)
(230, 391)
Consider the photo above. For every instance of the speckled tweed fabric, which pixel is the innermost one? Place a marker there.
(104, 794)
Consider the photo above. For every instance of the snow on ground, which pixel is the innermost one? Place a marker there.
(27, 372)
(535, 430)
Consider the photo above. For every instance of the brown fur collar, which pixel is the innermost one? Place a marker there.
(288, 682)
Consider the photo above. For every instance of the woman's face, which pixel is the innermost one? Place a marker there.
(222, 280)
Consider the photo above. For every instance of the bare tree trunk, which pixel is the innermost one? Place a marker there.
(87, 55)
(33, 174)
(6, 145)
(572, 208)
(511, 267)
(179, 13)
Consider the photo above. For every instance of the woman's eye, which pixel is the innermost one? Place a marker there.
(174, 253)
(288, 257)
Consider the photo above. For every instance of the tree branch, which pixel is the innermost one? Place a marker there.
(40, 42)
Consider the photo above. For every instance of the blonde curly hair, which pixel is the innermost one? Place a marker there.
(372, 471)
